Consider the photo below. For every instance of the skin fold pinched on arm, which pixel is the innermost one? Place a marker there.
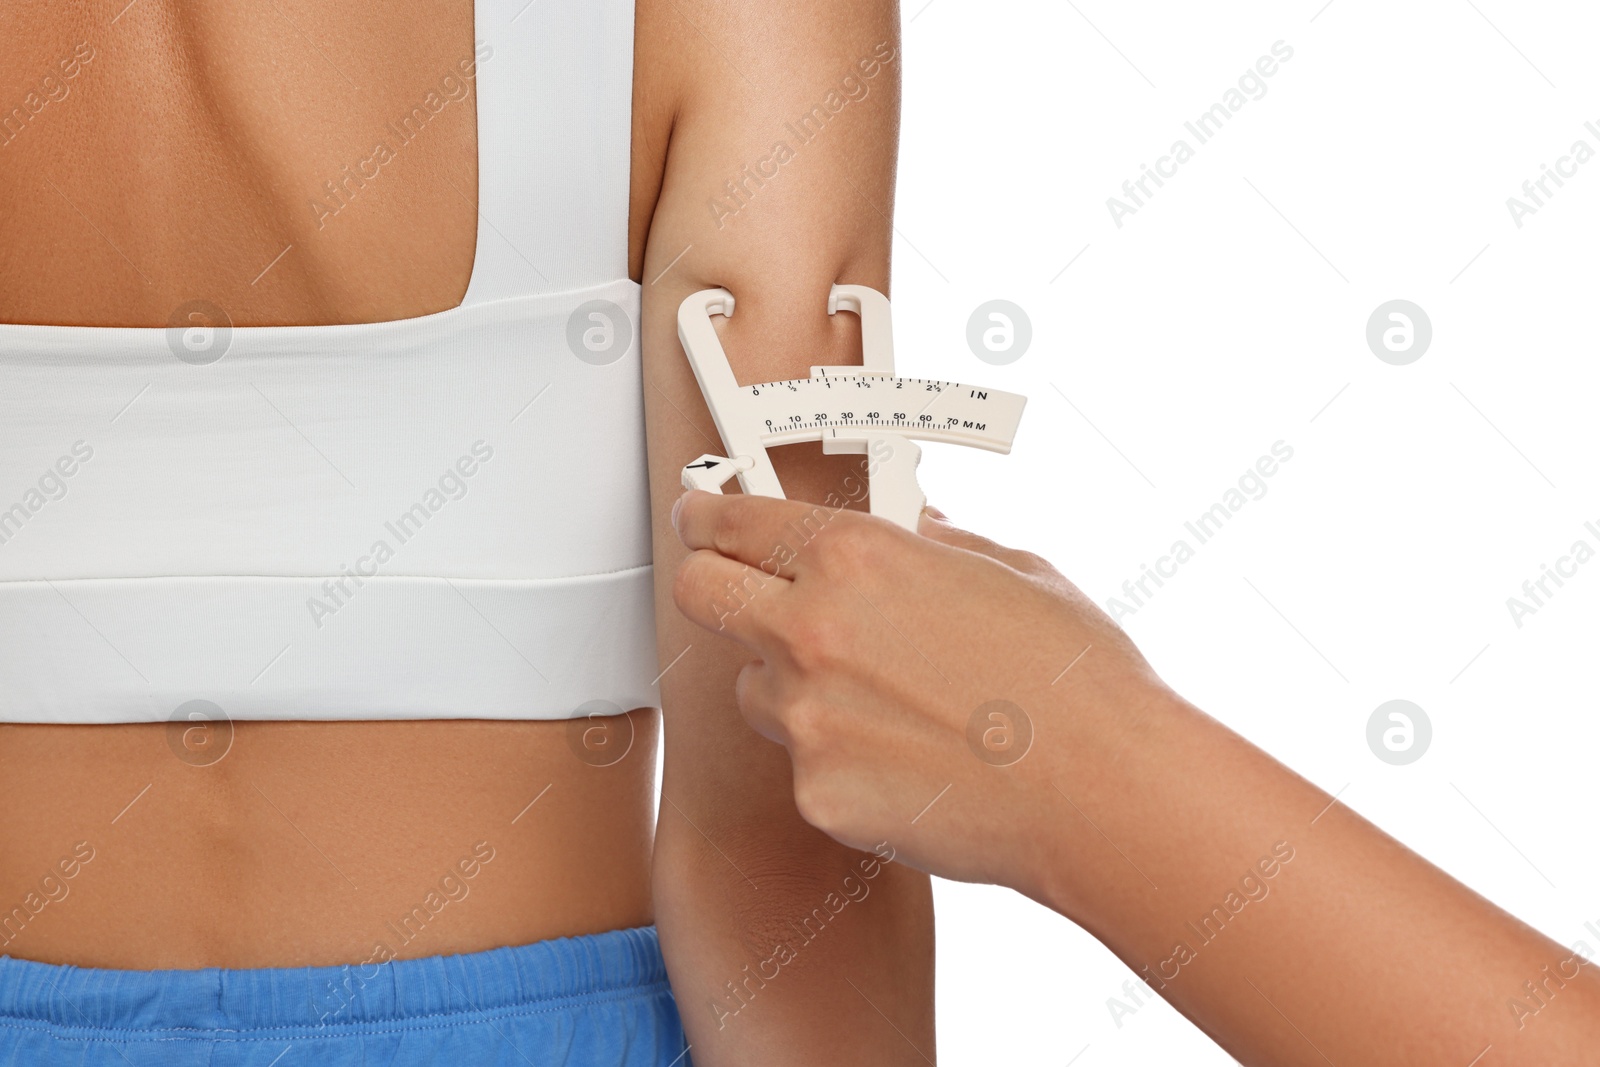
(782, 945)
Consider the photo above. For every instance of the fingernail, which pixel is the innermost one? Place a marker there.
(936, 513)
(677, 505)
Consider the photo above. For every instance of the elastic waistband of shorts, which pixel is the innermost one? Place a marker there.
(554, 975)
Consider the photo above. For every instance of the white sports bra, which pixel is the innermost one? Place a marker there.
(438, 517)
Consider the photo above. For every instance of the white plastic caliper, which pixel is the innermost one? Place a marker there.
(863, 410)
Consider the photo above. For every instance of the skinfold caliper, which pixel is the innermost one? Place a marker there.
(864, 410)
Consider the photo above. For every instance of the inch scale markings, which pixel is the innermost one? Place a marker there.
(787, 419)
(878, 422)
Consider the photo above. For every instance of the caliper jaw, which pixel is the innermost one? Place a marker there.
(891, 459)
(893, 492)
(711, 473)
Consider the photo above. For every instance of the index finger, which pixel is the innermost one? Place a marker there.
(760, 531)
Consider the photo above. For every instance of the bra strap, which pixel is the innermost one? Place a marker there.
(554, 81)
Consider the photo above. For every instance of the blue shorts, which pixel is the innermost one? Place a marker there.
(600, 1000)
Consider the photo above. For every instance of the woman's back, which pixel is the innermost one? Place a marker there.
(180, 146)
(169, 153)
(230, 153)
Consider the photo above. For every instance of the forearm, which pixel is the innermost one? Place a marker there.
(1289, 928)
(785, 948)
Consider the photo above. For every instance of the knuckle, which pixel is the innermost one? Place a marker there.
(812, 801)
(1030, 562)
(685, 580)
(816, 641)
(727, 526)
(746, 687)
(692, 584)
(802, 722)
(753, 690)
(852, 546)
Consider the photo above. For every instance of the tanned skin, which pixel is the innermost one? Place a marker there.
(177, 165)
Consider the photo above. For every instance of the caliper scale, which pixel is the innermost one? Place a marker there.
(865, 410)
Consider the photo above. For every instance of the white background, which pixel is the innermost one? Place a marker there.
(1206, 328)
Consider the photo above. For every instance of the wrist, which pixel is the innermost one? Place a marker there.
(1099, 764)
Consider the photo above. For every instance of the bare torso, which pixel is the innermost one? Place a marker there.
(176, 163)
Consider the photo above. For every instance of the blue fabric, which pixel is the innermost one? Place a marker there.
(573, 1002)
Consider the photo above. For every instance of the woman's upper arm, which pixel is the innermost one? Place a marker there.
(777, 182)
